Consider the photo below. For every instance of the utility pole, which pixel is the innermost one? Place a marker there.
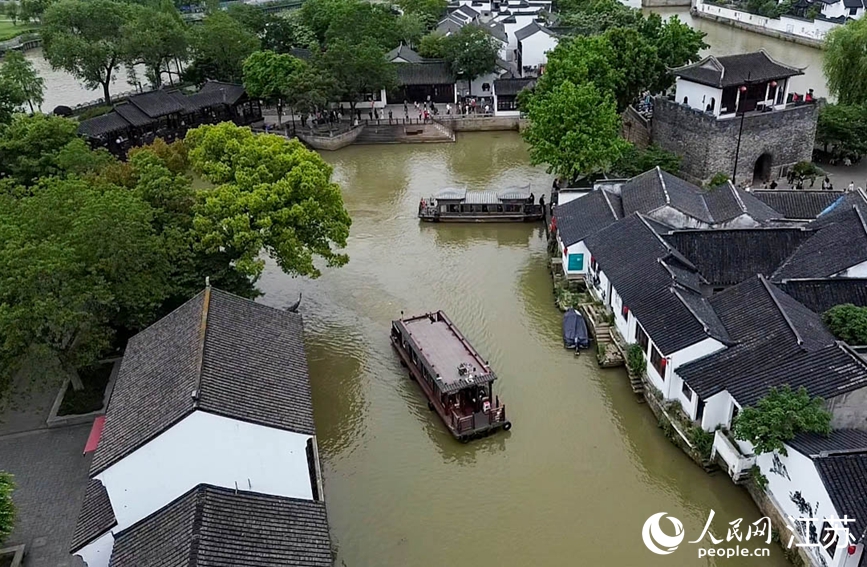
(744, 90)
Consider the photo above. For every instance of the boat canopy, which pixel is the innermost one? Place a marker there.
(515, 194)
(483, 197)
(451, 194)
(575, 330)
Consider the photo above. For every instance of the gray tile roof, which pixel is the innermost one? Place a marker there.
(241, 359)
(156, 103)
(528, 30)
(582, 217)
(656, 188)
(429, 72)
(821, 294)
(850, 200)
(405, 53)
(800, 205)
(218, 527)
(836, 246)
(95, 518)
(133, 115)
(779, 341)
(845, 479)
(735, 70)
(101, 125)
(727, 202)
(814, 444)
(628, 251)
(729, 256)
(512, 86)
(497, 30)
(228, 93)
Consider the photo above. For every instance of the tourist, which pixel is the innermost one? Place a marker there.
(542, 201)
(809, 96)
(826, 184)
(358, 114)
(426, 116)
(851, 186)
(389, 116)
(487, 109)
(773, 184)
(448, 109)
(370, 113)
(532, 198)
(405, 109)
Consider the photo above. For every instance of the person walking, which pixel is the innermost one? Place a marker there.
(851, 186)
(389, 116)
(448, 109)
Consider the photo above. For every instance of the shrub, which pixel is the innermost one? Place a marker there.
(848, 323)
(635, 359)
(807, 169)
(7, 507)
(718, 179)
(757, 477)
(94, 111)
(778, 417)
(702, 440)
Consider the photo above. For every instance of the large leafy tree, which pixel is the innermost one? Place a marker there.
(470, 52)
(156, 37)
(432, 45)
(351, 21)
(845, 62)
(11, 98)
(252, 18)
(848, 323)
(676, 44)
(268, 76)
(19, 73)
(778, 417)
(286, 31)
(271, 195)
(86, 38)
(33, 9)
(357, 69)
(427, 11)
(842, 128)
(574, 129)
(75, 261)
(219, 47)
(38, 146)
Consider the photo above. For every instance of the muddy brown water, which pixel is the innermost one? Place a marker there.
(584, 465)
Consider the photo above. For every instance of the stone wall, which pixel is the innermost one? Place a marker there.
(480, 124)
(709, 145)
(664, 3)
(635, 128)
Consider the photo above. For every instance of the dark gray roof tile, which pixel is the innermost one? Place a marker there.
(133, 115)
(814, 444)
(430, 72)
(511, 87)
(227, 93)
(156, 103)
(821, 294)
(735, 70)
(242, 360)
(797, 205)
(95, 518)
(836, 246)
(218, 527)
(101, 125)
(845, 479)
(579, 218)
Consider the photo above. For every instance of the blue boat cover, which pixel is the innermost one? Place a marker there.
(575, 330)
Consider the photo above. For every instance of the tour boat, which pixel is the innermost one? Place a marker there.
(457, 382)
(460, 205)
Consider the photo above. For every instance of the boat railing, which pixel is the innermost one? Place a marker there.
(493, 416)
(534, 209)
(427, 211)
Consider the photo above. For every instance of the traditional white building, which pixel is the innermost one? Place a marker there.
(211, 411)
(534, 43)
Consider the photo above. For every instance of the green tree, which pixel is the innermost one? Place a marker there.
(410, 28)
(718, 179)
(848, 323)
(268, 76)
(574, 129)
(252, 18)
(12, 11)
(635, 162)
(86, 39)
(7, 506)
(19, 72)
(778, 417)
(40, 145)
(272, 195)
(11, 98)
(432, 45)
(358, 69)
(428, 12)
(33, 10)
(351, 21)
(842, 129)
(470, 53)
(76, 261)
(845, 62)
(219, 47)
(155, 38)
(286, 31)
(676, 44)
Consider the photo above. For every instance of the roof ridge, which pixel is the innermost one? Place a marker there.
(701, 322)
(842, 345)
(608, 202)
(764, 52)
(779, 306)
(672, 251)
(196, 528)
(662, 182)
(200, 355)
(737, 196)
(861, 218)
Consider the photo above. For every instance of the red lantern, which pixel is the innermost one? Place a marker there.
(852, 549)
(743, 89)
(565, 250)
(663, 363)
(624, 311)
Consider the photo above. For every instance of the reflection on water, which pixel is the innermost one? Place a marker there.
(584, 465)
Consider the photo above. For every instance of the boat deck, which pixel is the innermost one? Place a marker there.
(444, 348)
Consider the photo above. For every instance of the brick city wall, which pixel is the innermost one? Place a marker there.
(709, 145)
(635, 128)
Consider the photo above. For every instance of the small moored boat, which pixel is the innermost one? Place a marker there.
(458, 383)
(460, 205)
(575, 330)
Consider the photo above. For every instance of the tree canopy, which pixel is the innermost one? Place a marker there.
(848, 323)
(470, 52)
(268, 76)
(842, 129)
(219, 47)
(358, 69)
(271, 195)
(778, 417)
(18, 73)
(86, 39)
(845, 62)
(427, 11)
(155, 37)
(574, 129)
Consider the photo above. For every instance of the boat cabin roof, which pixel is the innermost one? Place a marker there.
(484, 197)
(445, 350)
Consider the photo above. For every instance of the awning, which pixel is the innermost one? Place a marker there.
(95, 434)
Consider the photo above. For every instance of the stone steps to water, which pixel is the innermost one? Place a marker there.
(401, 134)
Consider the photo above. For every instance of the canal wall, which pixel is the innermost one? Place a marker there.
(665, 3)
(802, 31)
(330, 143)
(481, 123)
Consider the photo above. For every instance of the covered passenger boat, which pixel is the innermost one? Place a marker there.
(457, 381)
(460, 205)
(575, 330)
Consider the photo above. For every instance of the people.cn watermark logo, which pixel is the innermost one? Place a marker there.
(657, 540)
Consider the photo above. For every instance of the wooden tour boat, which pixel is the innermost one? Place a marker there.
(456, 380)
(460, 205)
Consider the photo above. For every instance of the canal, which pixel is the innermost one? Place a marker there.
(584, 465)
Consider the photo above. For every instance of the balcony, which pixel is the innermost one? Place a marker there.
(729, 456)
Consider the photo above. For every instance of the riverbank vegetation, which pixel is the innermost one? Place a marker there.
(574, 109)
(96, 249)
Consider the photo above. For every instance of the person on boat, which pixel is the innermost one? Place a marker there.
(532, 199)
(542, 200)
